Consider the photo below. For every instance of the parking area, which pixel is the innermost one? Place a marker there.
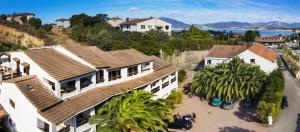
(215, 119)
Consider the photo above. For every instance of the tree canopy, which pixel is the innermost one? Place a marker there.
(250, 35)
(232, 80)
(133, 110)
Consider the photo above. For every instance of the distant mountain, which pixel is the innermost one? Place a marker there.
(234, 24)
(175, 23)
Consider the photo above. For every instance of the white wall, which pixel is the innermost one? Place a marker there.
(153, 23)
(214, 61)
(115, 23)
(35, 69)
(63, 24)
(24, 115)
(265, 65)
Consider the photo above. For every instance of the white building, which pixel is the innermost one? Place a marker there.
(63, 23)
(17, 17)
(144, 25)
(115, 21)
(255, 54)
(57, 88)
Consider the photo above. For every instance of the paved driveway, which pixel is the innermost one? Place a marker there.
(289, 119)
(214, 119)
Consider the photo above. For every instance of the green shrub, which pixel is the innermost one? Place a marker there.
(270, 102)
(181, 75)
(174, 98)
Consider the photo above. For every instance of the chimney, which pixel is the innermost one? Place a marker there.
(127, 19)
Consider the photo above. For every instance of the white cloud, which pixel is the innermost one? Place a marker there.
(133, 9)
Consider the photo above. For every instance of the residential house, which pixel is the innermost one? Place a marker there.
(63, 23)
(115, 21)
(17, 17)
(57, 88)
(146, 24)
(256, 54)
(269, 41)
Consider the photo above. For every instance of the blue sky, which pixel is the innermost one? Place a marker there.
(189, 11)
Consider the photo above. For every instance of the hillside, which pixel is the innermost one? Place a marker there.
(175, 23)
(14, 36)
(269, 25)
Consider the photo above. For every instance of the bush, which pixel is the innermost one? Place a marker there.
(174, 98)
(270, 102)
(181, 75)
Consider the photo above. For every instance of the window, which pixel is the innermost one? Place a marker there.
(99, 76)
(68, 87)
(42, 125)
(132, 71)
(149, 26)
(114, 75)
(52, 84)
(167, 27)
(12, 103)
(142, 26)
(128, 26)
(252, 60)
(208, 62)
(145, 67)
(84, 82)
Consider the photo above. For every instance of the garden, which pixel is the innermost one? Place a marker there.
(236, 80)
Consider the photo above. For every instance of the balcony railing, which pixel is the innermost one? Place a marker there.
(65, 129)
(100, 80)
(132, 73)
(154, 90)
(67, 89)
(114, 78)
(173, 79)
(145, 69)
(165, 84)
(81, 121)
(9, 76)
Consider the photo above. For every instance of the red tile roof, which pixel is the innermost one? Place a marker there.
(264, 52)
(135, 21)
(226, 51)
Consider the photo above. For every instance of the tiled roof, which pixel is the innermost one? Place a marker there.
(57, 65)
(21, 14)
(226, 51)
(110, 59)
(81, 102)
(264, 52)
(62, 19)
(35, 92)
(159, 63)
(128, 57)
(276, 39)
(135, 21)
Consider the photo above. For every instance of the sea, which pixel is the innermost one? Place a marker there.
(263, 32)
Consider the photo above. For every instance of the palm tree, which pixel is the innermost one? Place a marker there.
(231, 80)
(133, 110)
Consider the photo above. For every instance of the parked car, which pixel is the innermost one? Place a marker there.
(181, 122)
(227, 105)
(284, 103)
(247, 103)
(217, 101)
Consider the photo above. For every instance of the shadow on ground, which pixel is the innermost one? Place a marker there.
(298, 124)
(234, 129)
(247, 115)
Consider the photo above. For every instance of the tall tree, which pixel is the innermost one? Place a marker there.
(35, 22)
(195, 33)
(134, 110)
(231, 80)
(250, 35)
(3, 17)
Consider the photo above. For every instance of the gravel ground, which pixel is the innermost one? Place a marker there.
(215, 119)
